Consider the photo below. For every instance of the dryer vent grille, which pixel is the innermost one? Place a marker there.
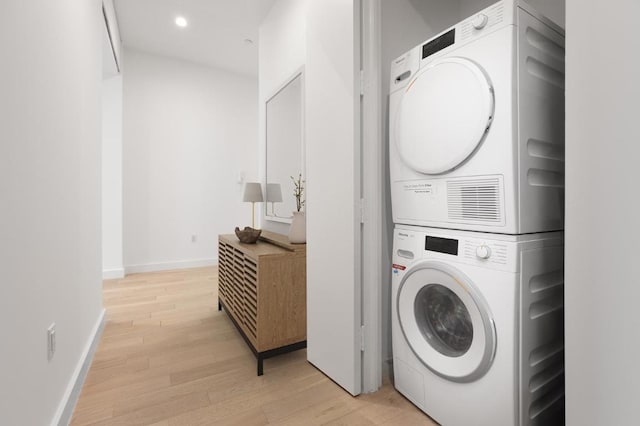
(476, 200)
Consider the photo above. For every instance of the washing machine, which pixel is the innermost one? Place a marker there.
(477, 325)
(476, 125)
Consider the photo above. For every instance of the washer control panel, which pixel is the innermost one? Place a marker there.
(485, 251)
(473, 248)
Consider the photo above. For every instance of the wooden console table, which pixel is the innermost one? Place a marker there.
(263, 289)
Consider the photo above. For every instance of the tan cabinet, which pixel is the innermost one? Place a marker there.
(262, 287)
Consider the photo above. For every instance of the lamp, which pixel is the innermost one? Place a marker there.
(252, 194)
(274, 195)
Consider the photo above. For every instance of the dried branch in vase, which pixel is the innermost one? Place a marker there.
(298, 191)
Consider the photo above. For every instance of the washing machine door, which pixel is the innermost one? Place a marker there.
(444, 115)
(446, 322)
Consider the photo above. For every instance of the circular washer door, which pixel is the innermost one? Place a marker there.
(444, 115)
(446, 322)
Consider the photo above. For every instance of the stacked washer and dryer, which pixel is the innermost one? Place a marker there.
(477, 186)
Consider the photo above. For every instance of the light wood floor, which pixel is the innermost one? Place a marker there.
(168, 357)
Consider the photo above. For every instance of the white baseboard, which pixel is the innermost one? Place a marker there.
(112, 274)
(166, 266)
(71, 395)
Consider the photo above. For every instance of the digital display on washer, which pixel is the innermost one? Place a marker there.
(436, 45)
(441, 245)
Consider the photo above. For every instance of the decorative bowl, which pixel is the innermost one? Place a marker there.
(248, 235)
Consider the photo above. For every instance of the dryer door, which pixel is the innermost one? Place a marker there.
(444, 115)
(446, 322)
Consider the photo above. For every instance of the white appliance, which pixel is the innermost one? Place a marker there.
(477, 324)
(476, 122)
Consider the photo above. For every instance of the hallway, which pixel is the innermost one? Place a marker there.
(168, 357)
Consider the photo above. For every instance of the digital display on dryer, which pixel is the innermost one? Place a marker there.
(441, 245)
(436, 45)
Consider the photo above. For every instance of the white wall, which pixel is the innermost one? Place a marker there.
(282, 51)
(188, 132)
(50, 209)
(112, 266)
(602, 228)
(470, 7)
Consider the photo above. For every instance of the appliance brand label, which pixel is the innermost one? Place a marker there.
(419, 188)
(400, 267)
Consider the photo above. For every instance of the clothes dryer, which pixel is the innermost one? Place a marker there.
(476, 122)
(477, 323)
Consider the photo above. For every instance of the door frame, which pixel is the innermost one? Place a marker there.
(371, 145)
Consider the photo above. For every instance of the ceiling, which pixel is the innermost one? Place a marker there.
(215, 35)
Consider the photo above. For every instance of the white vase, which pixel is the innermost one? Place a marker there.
(298, 229)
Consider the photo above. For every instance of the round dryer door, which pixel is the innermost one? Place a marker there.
(446, 322)
(444, 115)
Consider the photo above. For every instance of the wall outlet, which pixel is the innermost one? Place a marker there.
(51, 341)
(194, 238)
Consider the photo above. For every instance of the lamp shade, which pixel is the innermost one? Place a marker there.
(252, 192)
(274, 193)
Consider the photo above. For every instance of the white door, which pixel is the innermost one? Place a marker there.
(446, 322)
(444, 115)
(333, 180)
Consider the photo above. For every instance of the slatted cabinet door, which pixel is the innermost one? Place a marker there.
(251, 296)
(224, 271)
(238, 285)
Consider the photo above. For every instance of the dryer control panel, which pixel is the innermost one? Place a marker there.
(478, 25)
(486, 19)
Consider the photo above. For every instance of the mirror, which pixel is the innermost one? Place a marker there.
(284, 149)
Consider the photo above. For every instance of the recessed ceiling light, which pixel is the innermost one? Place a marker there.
(181, 21)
